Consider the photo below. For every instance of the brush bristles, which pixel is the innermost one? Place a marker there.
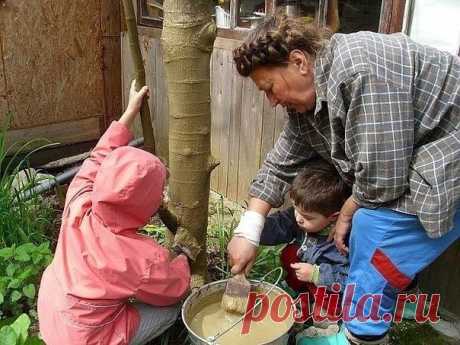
(234, 304)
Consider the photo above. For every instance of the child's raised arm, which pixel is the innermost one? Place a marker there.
(118, 134)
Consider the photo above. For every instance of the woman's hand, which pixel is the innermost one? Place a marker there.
(241, 255)
(343, 225)
(134, 104)
(303, 271)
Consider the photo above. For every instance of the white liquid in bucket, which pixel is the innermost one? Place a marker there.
(212, 319)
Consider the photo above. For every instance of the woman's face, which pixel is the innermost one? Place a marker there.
(290, 85)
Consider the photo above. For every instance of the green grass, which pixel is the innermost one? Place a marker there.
(22, 219)
(412, 333)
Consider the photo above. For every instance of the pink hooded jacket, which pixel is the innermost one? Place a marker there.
(100, 260)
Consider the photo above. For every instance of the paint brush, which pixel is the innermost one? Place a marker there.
(236, 293)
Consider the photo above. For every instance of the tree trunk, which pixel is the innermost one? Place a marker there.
(187, 38)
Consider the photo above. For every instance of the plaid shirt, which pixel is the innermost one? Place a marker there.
(388, 117)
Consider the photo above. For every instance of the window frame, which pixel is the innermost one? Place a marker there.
(391, 17)
(409, 16)
(144, 20)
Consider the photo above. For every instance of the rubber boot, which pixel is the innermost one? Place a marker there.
(356, 341)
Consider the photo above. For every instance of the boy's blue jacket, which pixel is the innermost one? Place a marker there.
(281, 227)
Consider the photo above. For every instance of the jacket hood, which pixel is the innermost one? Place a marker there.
(128, 189)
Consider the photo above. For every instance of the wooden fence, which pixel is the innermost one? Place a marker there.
(244, 125)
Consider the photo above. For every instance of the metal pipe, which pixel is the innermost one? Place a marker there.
(66, 176)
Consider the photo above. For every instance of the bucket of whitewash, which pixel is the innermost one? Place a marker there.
(207, 323)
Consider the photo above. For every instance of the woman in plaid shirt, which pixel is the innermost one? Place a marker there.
(385, 111)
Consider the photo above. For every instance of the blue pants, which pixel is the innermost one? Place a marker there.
(387, 250)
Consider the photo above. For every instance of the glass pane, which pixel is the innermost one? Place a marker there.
(436, 23)
(307, 9)
(251, 13)
(153, 8)
(353, 15)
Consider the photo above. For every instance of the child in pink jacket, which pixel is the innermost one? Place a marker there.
(101, 261)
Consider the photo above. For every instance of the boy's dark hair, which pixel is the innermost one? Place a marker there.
(319, 188)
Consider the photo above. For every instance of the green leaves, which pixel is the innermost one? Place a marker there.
(29, 291)
(17, 333)
(21, 327)
(20, 275)
(8, 336)
(24, 215)
(15, 296)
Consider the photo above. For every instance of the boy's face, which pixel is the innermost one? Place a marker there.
(312, 221)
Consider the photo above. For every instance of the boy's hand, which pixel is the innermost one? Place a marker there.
(134, 104)
(303, 271)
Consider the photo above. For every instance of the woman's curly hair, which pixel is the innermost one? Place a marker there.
(272, 41)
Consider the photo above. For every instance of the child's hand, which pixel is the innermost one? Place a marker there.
(136, 97)
(134, 104)
(303, 271)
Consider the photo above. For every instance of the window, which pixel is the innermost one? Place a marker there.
(435, 23)
(234, 17)
(150, 12)
(348, 16)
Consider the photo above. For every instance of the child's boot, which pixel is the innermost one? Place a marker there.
(353, 340)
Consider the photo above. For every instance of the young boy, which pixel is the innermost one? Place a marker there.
(310, 260)
(101, 262)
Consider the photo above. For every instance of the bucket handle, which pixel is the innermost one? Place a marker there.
(212, 339)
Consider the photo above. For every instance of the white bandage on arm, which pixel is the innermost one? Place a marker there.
(250, 227)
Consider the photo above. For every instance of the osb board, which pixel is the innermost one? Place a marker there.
(60, 133)
(155, 79)
(111, 28)
(52, 60)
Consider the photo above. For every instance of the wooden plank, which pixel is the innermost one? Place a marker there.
(392, 16)
(149, 56)
(268, 129)
(437, 279)
(226, 78)
(250, 136)
(128, 74)
(280, 121)
(161, 121)
(234, 136)
(52, 60)
(68, 132)
(226, 43)
(111, 28)
(149, 32)
(235, 33)
(216, 106)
